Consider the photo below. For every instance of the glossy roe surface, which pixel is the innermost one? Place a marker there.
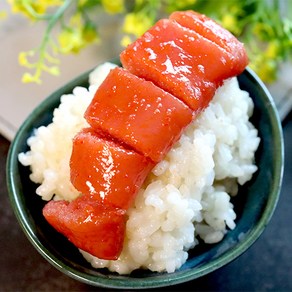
(93, 227)
(180, 61)
(105, 170)
(214, 32)
(138, 113)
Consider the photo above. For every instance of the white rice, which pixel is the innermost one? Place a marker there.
(186, 196)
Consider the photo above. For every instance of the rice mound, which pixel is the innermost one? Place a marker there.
(186, 196)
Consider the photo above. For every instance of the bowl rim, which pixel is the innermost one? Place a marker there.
(168, 279)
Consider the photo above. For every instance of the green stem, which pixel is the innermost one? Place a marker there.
(33, 13)
(52, 22)
(54, 19)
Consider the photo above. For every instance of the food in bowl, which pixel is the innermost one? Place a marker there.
(186, 196)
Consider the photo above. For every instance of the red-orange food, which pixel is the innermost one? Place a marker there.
(180, 61)
(90, 225)
(134, 120)
(214, 32)
(107, 171)
(138, 113)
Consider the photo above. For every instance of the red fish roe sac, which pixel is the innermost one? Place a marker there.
(105, 170)
(138, 113)
(211, 30)
(93, 227)
(180, 61)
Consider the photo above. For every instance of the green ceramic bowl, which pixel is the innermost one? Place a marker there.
(254, 207)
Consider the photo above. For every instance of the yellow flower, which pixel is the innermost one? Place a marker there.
(39, 66)
(22, 59)
(173, 5)
(89, 34)
(50, 3)
(183, 3)
(53, 70)
(28, 78)
(263, 31)
(229, 21)
(136, 23)
(113, 6)
(76, 20)
(50, 58)
(82, 2)
(31, 8)
(126, 40)
(267, 71)
(3, 15)
(17, 6)
(70, 38)
(266, 68)
(272, 50)
(70, 41)
(75, 37)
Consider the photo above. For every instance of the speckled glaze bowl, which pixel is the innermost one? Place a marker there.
(254, 207)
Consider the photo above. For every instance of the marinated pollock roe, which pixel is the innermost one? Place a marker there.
(185, 197)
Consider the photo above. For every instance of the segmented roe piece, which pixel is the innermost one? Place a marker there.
(93, 227)
(180, 61)
(214, 32)
(108, 172)
(138, 114)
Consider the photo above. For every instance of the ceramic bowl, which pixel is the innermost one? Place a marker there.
(254, 206)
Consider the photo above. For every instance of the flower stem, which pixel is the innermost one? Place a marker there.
(51, 23)
(54, 19)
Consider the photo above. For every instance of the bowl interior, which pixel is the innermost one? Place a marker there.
(254, 204)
